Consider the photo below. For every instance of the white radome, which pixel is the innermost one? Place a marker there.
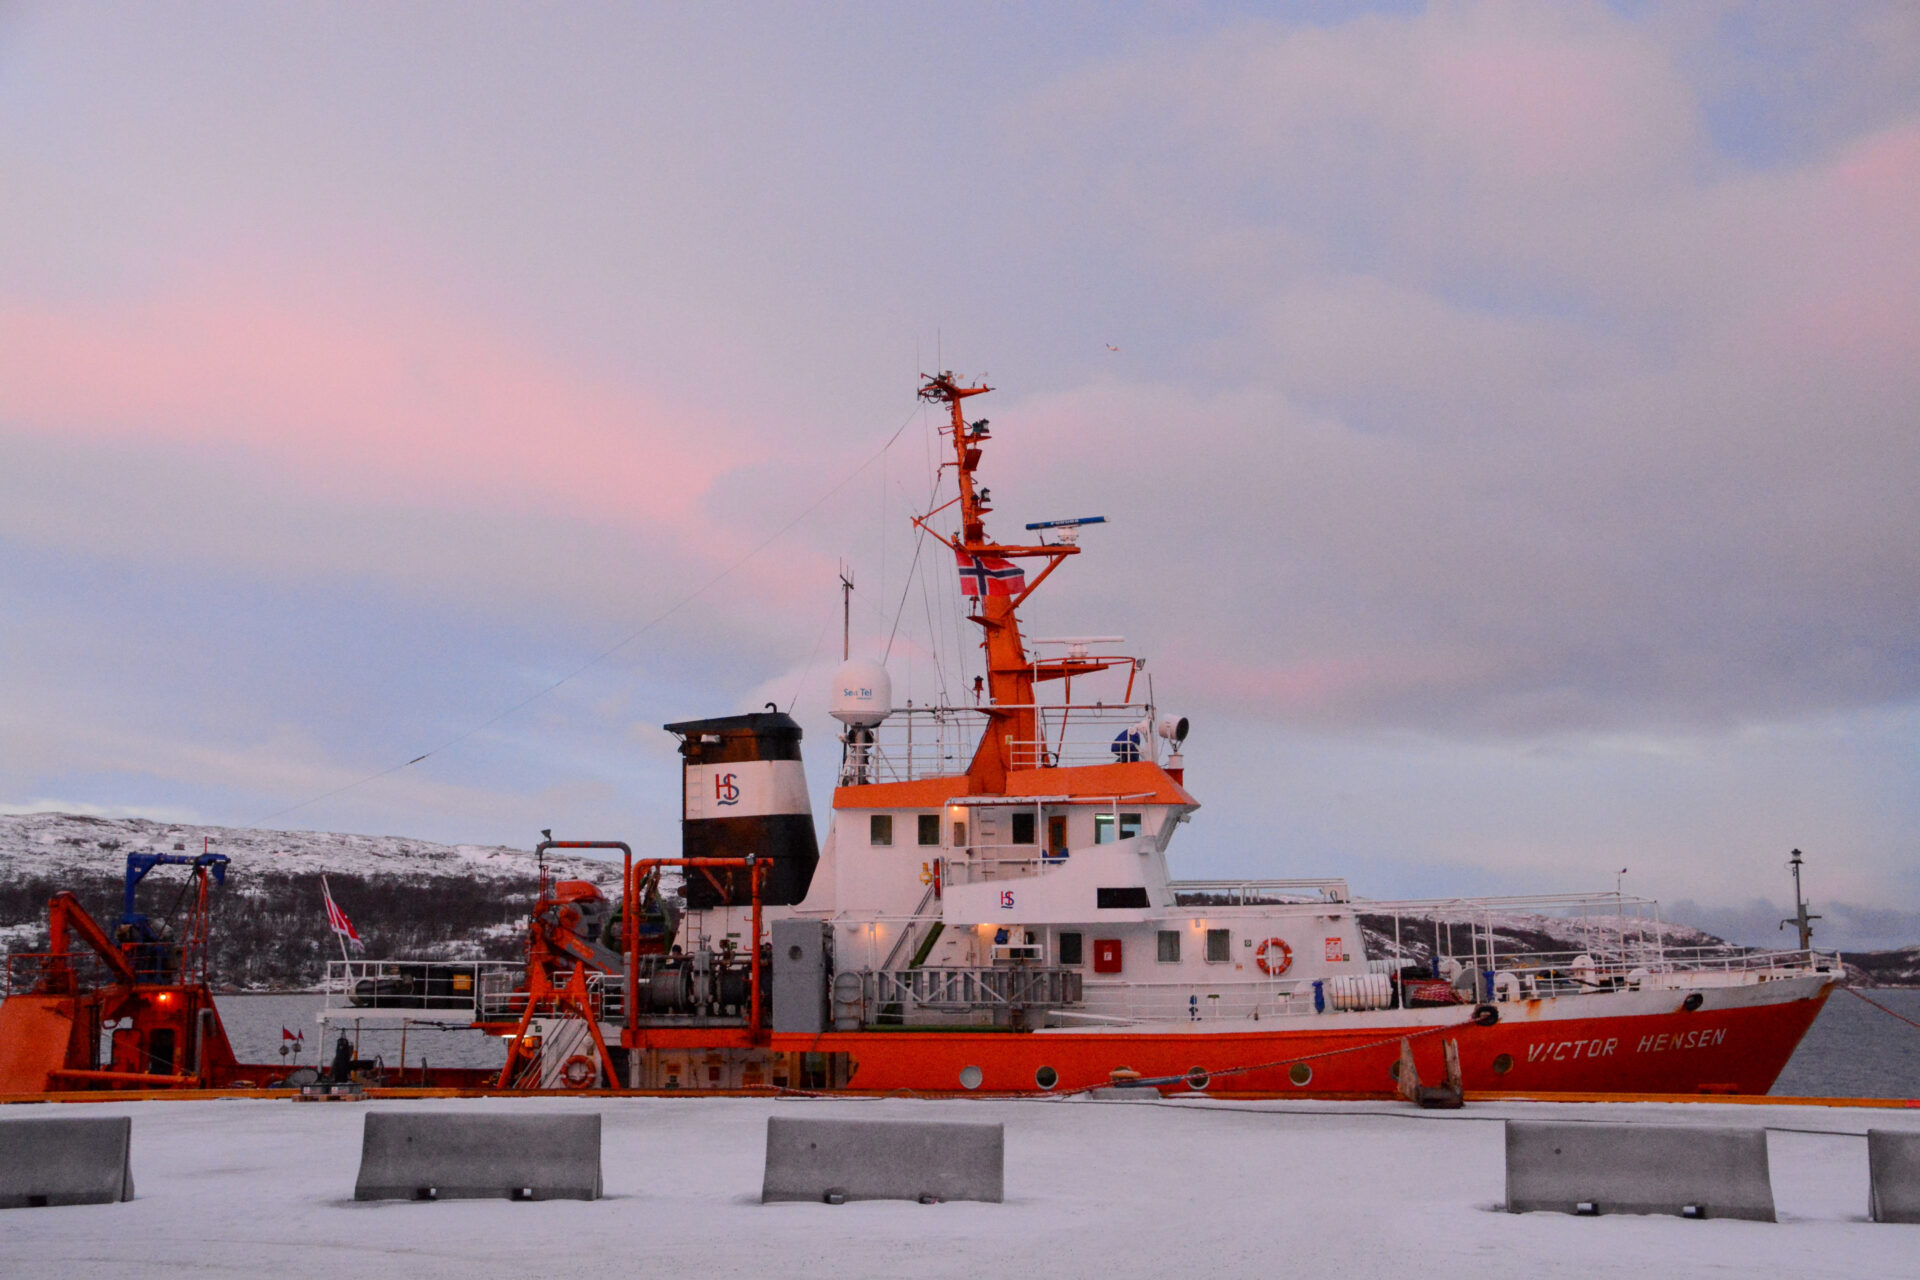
(862, 694)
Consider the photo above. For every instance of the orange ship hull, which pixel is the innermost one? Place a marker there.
(1740, 1049)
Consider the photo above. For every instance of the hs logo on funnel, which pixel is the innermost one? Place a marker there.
(726, 788)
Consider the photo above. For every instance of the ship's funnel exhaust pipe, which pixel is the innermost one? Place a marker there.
(745, 793)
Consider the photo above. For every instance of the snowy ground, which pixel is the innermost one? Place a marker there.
(1093, 1189)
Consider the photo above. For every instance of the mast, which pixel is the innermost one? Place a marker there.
(846, 611)
(1011, 674)
(1800, 918)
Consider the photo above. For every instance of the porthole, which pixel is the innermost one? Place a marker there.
(1046, 1077)
(1198, 1078)
(793, 953)
(1300, 1073)
(1393, 1071)
(1503, 1064)
(970, 1077)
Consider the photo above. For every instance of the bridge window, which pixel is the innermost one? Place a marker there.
(1070, 944)
(1103, 827)
(1169, 946)
(929, 828)
(1219, 946)
(1023, 826)
(880, 829)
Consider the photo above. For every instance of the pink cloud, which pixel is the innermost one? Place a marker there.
(1322, 689)
(1565, 98)
(357, 396)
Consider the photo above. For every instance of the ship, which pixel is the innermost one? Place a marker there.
(991, 910)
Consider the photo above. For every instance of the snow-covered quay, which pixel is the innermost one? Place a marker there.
(1094, 1188)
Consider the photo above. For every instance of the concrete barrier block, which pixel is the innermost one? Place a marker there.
(1631, 1168)
(1893, 1167)
(836, 1160)
(463, 1155)
(72, 1160)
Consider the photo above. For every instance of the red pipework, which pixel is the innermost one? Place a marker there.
(125, 1077)
(756, 868)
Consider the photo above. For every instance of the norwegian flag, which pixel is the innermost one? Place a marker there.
(989, 575)
(337, 920)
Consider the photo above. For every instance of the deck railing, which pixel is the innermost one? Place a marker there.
(450, 990)
(970, 989)
(927, 742)
(46, 971)
(1641, 965)
(1251, 893)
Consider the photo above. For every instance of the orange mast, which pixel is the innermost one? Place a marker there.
(1011, 716)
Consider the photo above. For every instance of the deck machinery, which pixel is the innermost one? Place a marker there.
(120, 1010)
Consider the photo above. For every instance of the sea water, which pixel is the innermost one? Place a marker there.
(1852, 1050)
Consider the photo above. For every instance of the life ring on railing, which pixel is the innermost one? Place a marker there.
(1275, 967)
(579, 1071)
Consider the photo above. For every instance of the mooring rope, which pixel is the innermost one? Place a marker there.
(1882, 1008)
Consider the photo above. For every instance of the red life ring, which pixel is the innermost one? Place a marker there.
(579, 1071)
(1274, 968)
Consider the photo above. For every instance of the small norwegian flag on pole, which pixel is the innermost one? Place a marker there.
(989, 575)
(338, 922)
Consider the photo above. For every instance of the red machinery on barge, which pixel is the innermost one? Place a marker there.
(992, 910)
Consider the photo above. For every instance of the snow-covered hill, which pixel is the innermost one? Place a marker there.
(406, 897)
(51, 844)
(1898, 968)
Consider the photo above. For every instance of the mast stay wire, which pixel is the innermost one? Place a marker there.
(936, 641)
(806, 673)
(912, 566)
(919, 540)
(594, 661)
(933, 642)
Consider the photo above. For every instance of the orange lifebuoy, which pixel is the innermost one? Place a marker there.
(1275, 967)
(578, 1072)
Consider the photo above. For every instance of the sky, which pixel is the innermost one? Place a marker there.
(1505, 414)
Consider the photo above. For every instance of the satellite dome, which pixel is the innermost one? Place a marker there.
(862, 694)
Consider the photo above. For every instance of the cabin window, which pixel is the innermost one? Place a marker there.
(880, 829)
(1103, 827)
(1219, 946)
(1070, 948)
(1126, 897)
(1057, 836)
(929, 828)
(1024, 821)
(1169, 946)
